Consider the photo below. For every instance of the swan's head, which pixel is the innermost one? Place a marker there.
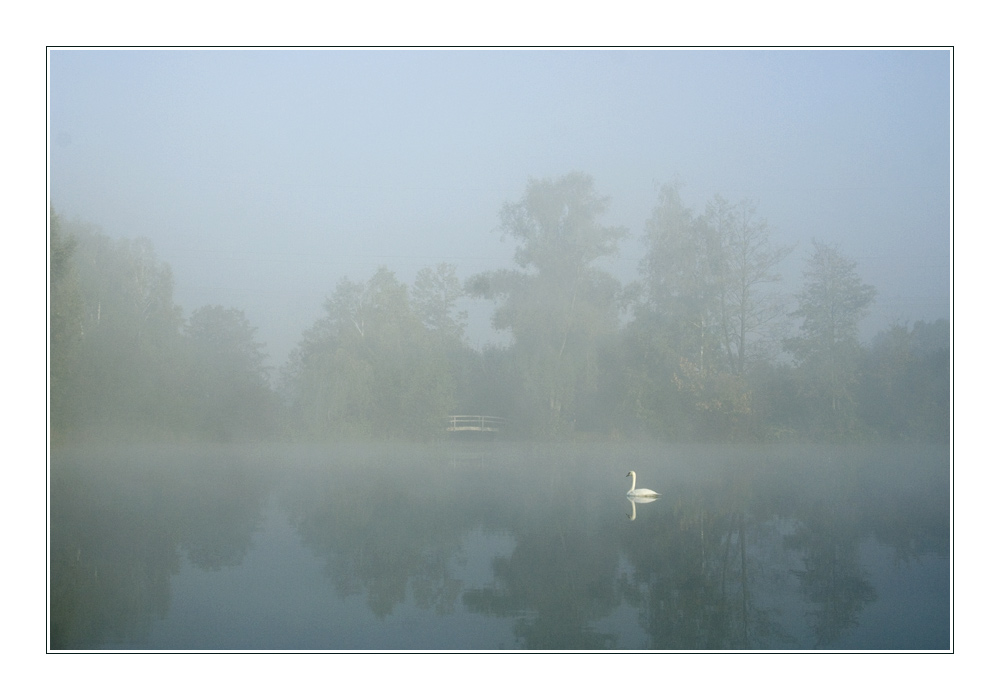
(629, 474)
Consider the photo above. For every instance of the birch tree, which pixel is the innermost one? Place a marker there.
(831, 304)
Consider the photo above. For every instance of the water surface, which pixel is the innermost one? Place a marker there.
(500, 546)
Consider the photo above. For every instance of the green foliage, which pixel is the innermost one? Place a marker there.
(228, 383)
(679, 280)
(127, 372)
(720, 400)
(698, 358)
(704, 316)
(831, 304)
(65, 321)
(827, 351)
(123, 363)
(558, 306)
(905, 392)
(751, 309)
(436, 291)
(370, 368)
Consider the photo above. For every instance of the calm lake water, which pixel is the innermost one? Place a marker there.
(500, 546)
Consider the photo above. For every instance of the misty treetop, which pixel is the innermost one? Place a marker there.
(833, 301)
(708, 310)
(559, 307)
(371, 367)
(556, 225)
(700, 345)
(436, 293)
(227, 370)
(125, 362)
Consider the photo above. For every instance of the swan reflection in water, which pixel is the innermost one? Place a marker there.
(635, 495)
(632, 500)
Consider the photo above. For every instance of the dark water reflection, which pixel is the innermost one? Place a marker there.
(500, 547)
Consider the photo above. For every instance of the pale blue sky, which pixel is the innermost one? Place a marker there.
(264, 177)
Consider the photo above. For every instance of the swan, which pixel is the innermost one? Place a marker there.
(639, 493)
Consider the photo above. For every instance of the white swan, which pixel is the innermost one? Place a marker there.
(639, 493)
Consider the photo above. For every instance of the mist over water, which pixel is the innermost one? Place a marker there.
(500, 546)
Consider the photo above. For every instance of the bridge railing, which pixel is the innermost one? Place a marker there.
(483, 424)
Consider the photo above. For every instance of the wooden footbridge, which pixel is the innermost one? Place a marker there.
(477, 424)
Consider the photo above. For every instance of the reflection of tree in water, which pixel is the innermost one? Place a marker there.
(118, 518)
(705, 564)
(386, 547)
(912, 517)
(221, 509)
(832, 580)
(110, 572)
(378, 524)
(693, 574)
(828, 534)
(896, 495)
(559, 581)
(556, 587)
(724, 547)
(710, 564)
(112, 554)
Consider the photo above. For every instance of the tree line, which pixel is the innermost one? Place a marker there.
(701, 346)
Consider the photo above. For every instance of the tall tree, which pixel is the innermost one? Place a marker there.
(65, 321)
(229, 385)
(558, 305)
(705, 310)
(832, 302)
(906, 387)
(677, 279)
(369, 368)
(750, 305)
(129, 371)
(436, 292)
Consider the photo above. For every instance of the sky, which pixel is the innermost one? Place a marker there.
(264, 177)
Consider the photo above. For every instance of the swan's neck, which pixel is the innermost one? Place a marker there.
(633, 481)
